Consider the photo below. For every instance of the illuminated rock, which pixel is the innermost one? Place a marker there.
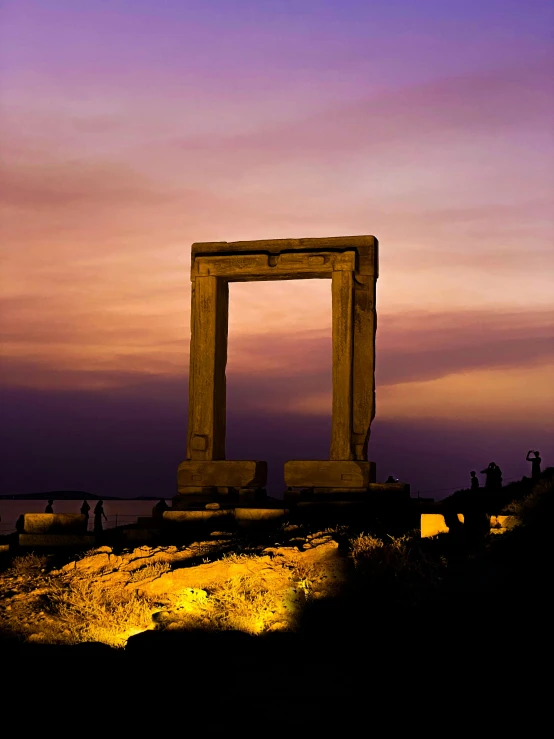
(433, 524)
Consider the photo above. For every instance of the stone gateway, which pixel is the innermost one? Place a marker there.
(351, 263)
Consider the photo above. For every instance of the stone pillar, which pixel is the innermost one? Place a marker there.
(363, 379)
(208, 359)
(341, 429)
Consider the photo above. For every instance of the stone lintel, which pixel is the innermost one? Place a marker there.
(277, 246)
(366, 248)
(287, 266)
(221, 473)
(329, 474)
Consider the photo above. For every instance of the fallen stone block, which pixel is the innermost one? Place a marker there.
(433, 524)
(53, 523)
(256, 516)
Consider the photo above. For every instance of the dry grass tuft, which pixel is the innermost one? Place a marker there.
(398, 557)
(27, 565)
(150, 571)
(93, 611)
(246, 604)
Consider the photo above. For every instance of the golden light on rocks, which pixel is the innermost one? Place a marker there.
(108, 597)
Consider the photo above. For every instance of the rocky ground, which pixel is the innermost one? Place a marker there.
(290, 624)
(222, 583)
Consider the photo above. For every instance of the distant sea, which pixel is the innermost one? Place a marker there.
(118, 512)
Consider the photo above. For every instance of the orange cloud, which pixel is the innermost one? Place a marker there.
(506, 396)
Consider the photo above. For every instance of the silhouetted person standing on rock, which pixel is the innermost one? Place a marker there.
(535, 464)
(98, 514)
(474, 480)
(85, 508)
(49, 508)
(493, 480)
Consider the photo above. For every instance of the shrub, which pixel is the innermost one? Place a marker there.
(400, 560)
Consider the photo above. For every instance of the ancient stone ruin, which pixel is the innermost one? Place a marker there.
(351, 263)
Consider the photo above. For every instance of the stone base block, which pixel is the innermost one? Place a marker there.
(374, 492)
(329, 474)
(256, 516)
(202, 516)
(221, 473)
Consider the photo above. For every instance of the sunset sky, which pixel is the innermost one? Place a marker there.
(130, 129)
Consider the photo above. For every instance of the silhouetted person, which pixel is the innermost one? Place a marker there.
(159, 508)
(390, 478)
(474, 480)
(497, 477)
(98, 515)
(535, 464)
(49, 508)
(85, 508)
(493, 480)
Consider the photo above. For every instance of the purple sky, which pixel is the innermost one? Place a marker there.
(131, 129)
